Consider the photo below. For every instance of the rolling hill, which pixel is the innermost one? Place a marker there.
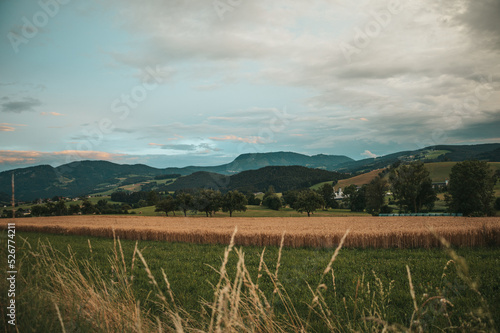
(439, 172)
(86, 177)
(358, 180)
(440, 153)
(282, 178)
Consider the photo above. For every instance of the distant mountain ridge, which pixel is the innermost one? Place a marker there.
(256, 161)
(86, 177)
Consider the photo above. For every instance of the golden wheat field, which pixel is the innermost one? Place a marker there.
(378, 232)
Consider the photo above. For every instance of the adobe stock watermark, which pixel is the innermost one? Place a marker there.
(222, 7)
(363, 36)
(31, 26)
(121, 108)
(453, 118)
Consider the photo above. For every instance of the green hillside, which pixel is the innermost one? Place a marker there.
(440, 171)
(282, 178)
(90, 177)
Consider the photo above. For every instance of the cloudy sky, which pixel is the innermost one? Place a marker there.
(175, 83)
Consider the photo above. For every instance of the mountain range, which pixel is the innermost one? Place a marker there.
(87, 177)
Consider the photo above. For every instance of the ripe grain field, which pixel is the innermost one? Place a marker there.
(318, 232)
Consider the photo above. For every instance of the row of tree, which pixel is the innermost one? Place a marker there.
(470, 190)
(210, 201)
(204, 200)
(60, 208)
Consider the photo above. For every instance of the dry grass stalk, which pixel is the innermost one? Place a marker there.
(82, 292)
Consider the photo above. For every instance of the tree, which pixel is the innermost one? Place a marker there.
(60, 208)
(358, 200)
(375, 195)
(349, 192)
(308, 201)
(234, 201)
(169, 204)
(354, 198)
(471, 189)
(185, 201)
(208, 201)
(50, 208)
(37, 210)
(273, 202)
(74, 209)
(102, 206)
(290, 197)
(152, 198)
(326, 191)
(87, 207)
(125, 207)
(411, 186)
(253, 200)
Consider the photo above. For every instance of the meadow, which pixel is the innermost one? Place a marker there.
(69, 283)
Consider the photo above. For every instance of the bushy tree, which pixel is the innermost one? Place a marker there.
(74, 209)
(326, 191)
(348, 192)
(375, 195)
(38, 210)
(272, 201)
(87, 207)
(358, 200)
(471, 189)
(60, 208)
(234, 201)
(354, 198)
(411, 186)
(208, 201)
(168, 204)
(253, 200)
(290, 197)
(102, 206)
(185, 201)
(308, 201)
(152, 198)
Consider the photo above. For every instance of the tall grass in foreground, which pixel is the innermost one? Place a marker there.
(83, 297)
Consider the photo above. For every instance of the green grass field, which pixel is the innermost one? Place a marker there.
(255, 211)
(362, 279)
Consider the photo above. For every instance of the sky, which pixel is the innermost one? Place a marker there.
(176, 83)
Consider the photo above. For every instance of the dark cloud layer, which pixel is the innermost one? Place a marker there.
(28, 104)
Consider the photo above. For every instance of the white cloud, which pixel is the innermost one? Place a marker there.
(369, 154)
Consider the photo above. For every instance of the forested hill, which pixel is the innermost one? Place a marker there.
(282, 178)
(87, 177)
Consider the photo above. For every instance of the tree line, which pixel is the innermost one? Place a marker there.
(60, 208)
(470, 190)
(207, 201)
